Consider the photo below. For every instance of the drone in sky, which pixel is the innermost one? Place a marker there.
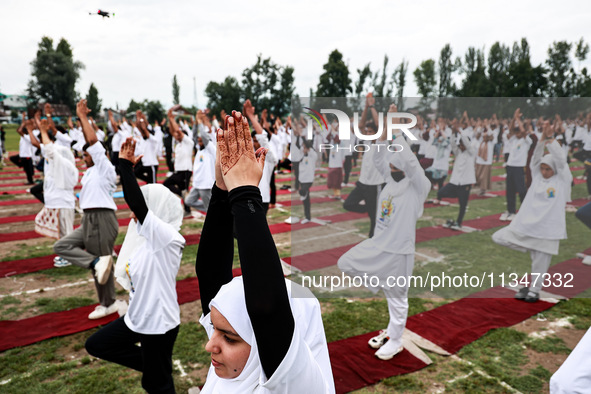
(102, 13)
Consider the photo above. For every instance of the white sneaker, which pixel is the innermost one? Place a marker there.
(102, 269)
(58, 262)
(510, 217)
(587, 260)
(304, 221)
(102, 311)
(388, 350)
(504, 216)
(377, 341)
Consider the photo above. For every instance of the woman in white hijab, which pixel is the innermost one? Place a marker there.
(540, 223)
(147, 267)
(265, 333)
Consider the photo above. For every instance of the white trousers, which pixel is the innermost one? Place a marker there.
(540, 261)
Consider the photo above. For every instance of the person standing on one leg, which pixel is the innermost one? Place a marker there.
(183, 160)
(462, 176)
(91, 245)
(540, 224)
(25, 150)
(369, 185)
(390, 253)
(147, 168)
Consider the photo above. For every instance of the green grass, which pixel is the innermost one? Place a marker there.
(12, 137)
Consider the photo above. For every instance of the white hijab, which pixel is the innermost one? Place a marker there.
(167, 207)
(230, 302)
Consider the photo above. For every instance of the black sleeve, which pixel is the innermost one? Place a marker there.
(215, 254)
(267, 301)
(131, 190)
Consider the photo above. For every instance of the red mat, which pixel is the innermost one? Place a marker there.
(454, 325)
(354, 365)
(24, 332)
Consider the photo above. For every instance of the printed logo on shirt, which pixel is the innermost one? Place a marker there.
(386, 210)
(200, 158)
(129, 276)
(551, 192)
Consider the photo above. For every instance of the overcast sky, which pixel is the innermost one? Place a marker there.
(136, 53)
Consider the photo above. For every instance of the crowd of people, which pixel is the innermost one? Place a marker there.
(259, 333)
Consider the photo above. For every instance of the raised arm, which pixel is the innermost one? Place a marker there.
(82, 111)
(131, 190)
(266, 295)
(175, 130)
(248, 110)
(215, 254)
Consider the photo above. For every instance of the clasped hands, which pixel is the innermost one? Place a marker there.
(237, 164)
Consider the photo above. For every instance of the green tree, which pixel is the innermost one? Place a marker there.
(499, 58)
(226, 95)
(54, 73)
(334, 81)
(93, 101)
(399, 77)
(134, 106)
(176, 90)
(154, 110)
(476, 82)
(446, 69)
(426, 84)
(269, 85)
(581, 51)
(524, 80)
(560, 73)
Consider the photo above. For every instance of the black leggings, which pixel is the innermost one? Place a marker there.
(347, 166)
(146, 173)
(178, 182)
(369, 194)
(305, 194)
(37, 191)
(26, 163)
(117, 343)
(462, 193)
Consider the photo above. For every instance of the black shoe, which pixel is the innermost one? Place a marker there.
(532, 297)
(521, 294)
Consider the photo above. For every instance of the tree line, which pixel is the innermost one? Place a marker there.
(500, 71)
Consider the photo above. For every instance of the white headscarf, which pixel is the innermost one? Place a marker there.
(167, 207)
(549, 160)
(230, 302)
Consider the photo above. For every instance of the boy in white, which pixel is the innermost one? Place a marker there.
(540, 224)
(91, 245)
(390, 253)
(519, 143)
(203, 170)
(56, 219)
(462, 177)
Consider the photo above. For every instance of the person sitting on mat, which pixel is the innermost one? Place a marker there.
(147, 267)
(540, 223)
(262, 337)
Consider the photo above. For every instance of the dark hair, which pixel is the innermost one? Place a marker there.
(85, 147)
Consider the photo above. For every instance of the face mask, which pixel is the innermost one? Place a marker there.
(397, 175)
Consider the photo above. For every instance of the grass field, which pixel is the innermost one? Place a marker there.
(521, 358)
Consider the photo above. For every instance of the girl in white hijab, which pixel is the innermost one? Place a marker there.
(265, 333)
(540, 223)
(147, 267)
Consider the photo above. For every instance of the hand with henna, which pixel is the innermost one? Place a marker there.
(238, 162)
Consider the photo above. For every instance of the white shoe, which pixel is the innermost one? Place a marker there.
(102, 269)
(587, 260)
(102, 311)
(504, 216)
(304, 221)
(380, 339)
(388, 350)
(510, 217)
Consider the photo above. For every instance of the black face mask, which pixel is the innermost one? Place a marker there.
(397, 175)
